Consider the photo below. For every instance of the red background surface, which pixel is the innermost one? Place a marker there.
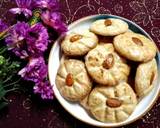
(26, 110)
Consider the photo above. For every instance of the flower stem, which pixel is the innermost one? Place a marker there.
(3, 34)
(13, 89)
(3, 50)
(8, 79)
(5, 99)
(36, 17)
(7, 85)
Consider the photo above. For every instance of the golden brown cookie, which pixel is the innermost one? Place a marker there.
(112, 103)
(79, 43)
(135, 47)
(109, 27)
(105, 66)
(145, 77)
(72, 80)
(84, 103)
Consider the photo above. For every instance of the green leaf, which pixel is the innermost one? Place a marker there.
(2, 92)
(3, 49)
(9, 67)
(3, 104)
(2, 60)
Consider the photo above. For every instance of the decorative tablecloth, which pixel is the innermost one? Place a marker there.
(26, 110)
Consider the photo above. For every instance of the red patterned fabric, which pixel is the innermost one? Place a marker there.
(28, 111)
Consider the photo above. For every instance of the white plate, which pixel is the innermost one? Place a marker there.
(74, 108)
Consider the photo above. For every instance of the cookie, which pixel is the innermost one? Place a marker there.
(112, 103)
(105, 66)
(72, 80)
(109, 27)
(135, 47)
(79, 43)
(145, 77)
(84, 103)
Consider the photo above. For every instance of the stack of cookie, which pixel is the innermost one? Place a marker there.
(95, 69)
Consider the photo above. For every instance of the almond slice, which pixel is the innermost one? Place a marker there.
(113, 102)
(137, 41)
(75, 38)
(108, 62)
(69, 79)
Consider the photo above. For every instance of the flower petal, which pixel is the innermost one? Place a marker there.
(45, 89)
(28, 2)
(37, 39)
(51, 5)
(27, 12)
(18, 2)
(36, 70)
(3, 26)
(16, 39)
(23, 3)
(53, 19)
(15, 10)
(24, 7)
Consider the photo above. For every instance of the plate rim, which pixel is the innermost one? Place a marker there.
(154, 99)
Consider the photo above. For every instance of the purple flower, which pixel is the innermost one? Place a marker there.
(53, 19)
(45, 89)
(47, 4)
(16, 39)
(36, 70)
(24, 7)
(37, 39)
(3, 26)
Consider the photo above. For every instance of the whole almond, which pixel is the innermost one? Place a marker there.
(107, 22)
(137, 41)
(69, 79)
(108, 62)
(113, 102)
(75, 38)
